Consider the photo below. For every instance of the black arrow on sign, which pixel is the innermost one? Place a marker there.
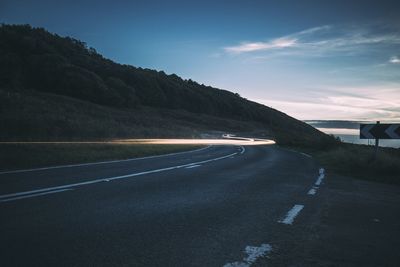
(380, 131)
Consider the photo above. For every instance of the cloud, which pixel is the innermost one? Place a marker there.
(257, 46)
(329, 111)
(320, 29)
(322, 40)
(379, 102)
(394, 60)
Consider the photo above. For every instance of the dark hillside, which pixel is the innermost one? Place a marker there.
(56, 87)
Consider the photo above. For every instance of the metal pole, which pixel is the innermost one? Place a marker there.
(376, 144)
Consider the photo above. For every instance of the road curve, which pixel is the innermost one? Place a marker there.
(202, 208)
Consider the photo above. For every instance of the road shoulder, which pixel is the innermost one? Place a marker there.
(358, 225)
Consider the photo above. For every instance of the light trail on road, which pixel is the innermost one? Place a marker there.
(236, 141)
(228, 140)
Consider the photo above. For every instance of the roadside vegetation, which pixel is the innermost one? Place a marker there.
(55, 88)
(58, 88)
(34, 155)
(357, 161)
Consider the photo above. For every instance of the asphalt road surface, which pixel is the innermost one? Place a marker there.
(218, 206)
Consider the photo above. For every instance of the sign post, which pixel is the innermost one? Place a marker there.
(376, 144)
(379, 131)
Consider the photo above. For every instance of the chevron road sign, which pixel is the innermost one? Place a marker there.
(380, 131)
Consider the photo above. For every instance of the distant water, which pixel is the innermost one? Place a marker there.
(350, 134)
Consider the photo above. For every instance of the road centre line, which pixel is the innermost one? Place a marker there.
(312, 191)
(103, 162)
(317, 183)
(253, 253)
(320, 177)
(68, 186)
(291, 215)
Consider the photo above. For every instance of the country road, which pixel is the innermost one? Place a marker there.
(215, 206)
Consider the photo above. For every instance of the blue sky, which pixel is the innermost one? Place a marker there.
(310, 59)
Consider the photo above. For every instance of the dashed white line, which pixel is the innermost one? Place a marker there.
(253, 253)
(317, 183)
(312, 191)
(291, 215)
(320, 177)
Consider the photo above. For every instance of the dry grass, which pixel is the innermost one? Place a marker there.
(356, 161)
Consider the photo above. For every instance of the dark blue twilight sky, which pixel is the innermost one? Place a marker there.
(310, 59)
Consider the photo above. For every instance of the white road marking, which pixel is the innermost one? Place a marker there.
(292, 214)
(103, 162)
(243, 150)
(192, 166)
(107, 179)
(304, 154)
(34, 195)
(320, 177)
(253, 253)
(312, 191)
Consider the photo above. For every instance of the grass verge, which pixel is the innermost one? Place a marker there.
(24, 156)
(356, 161)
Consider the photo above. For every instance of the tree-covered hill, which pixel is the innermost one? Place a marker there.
(54, 87)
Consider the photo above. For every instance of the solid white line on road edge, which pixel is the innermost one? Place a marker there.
(35, 195)
(313, 190)
(67, 186)
(192, 166)
(103, 162)
(304, 154)
(253, 253)
(292, 214)
(320, 177)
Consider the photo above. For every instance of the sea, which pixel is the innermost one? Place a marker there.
(349, 132)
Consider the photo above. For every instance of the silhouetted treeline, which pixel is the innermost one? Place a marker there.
(36, 60)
